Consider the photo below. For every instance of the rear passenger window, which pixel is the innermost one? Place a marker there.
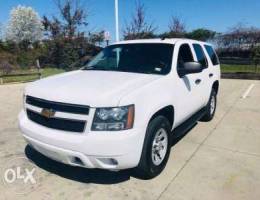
(212, 54)
(200, 55)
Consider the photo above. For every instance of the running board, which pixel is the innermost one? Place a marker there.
(188, 124)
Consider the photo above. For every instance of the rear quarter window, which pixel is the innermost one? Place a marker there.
(212, 54)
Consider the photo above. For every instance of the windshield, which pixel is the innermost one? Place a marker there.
(137, 58)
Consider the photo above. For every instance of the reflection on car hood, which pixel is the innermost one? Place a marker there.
(93, 88)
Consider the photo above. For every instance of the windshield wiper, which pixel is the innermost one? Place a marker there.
(97, 68)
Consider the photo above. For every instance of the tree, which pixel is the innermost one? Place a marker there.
(1, 31)
(138, 27)
(176, 29)
(256, 56)
(97, 38)
(239, 41)
(240, 37)
(201, 34)
(24, 26)
(66, 32)
(73, 17)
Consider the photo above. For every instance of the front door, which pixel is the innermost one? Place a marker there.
(189, 87)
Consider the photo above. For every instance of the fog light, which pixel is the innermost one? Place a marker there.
(108, 161)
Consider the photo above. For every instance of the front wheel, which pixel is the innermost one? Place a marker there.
(156, 148)
(211, 107)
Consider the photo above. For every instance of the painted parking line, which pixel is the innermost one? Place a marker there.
(248, 91)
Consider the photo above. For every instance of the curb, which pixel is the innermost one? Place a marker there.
(241, 75)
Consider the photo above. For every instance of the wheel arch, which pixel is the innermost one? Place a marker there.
(215, 86)
(167, 111)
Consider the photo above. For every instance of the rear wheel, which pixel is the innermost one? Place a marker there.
(211, 107)
(156, 148)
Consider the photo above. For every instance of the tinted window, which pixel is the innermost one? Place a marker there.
(200, 55)
(185, 55)
(212, 54)
(135, 58)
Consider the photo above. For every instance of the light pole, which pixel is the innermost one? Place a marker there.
(117, 23)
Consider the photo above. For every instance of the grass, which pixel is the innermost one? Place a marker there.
(239, 68)
(45, 73)
(52, 71)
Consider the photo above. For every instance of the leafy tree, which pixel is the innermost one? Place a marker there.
(24, 26)
(5, 67)
(139, 27)
(256, 56)
(97, 38)
(201, 34)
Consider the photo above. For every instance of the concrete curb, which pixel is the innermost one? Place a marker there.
(241, 75)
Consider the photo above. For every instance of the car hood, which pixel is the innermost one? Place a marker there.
(93, 88)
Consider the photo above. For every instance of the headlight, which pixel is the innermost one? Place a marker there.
(113, 119)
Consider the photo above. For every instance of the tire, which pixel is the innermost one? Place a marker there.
(211, 107)
(152, 162)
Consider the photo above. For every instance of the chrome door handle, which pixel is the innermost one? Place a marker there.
(198, 81)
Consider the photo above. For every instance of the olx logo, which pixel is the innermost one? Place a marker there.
(20, 175)
(11, 175)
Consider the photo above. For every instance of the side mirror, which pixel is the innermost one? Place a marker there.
(190, 68)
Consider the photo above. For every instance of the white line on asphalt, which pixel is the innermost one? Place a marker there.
(248, 91)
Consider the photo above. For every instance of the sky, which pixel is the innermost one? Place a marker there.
(217, 15)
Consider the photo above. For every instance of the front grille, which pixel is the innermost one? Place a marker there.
(57, 106)
(57, 123)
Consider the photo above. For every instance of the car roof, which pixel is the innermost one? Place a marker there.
(160, 40)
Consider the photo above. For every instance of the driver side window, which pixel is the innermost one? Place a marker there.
(185, 55)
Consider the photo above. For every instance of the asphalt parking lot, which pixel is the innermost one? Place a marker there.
(216, 160)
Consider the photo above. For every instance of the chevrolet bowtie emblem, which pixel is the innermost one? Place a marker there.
(48, 113)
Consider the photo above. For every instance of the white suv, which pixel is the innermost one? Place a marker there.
(124, 107)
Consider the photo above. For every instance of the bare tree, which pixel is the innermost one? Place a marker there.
(72, 16)
(1, 31)
(177, 26)
(240, 41)
(176, 29)
(139, 27)
(240, 37)
(66, 31)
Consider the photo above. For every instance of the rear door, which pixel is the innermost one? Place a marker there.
(214, 65)
(205, 86)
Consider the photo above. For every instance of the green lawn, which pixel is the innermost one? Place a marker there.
(51, 71)
(239, 68)
(45, 72)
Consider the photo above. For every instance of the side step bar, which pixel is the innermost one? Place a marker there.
(188, 124)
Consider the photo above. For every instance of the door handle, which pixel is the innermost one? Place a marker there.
(198, 81)
(210, 75)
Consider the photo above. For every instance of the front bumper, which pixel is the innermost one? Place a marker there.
(92, 149)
